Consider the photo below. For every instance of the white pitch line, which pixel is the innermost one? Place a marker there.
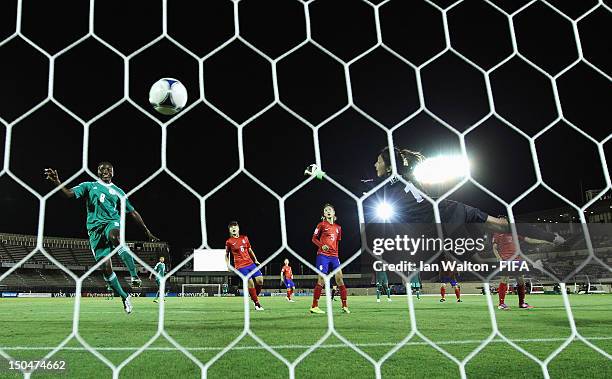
(326, 346)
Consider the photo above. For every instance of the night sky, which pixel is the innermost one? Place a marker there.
(202, 145)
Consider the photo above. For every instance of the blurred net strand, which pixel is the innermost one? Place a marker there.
(285, 246)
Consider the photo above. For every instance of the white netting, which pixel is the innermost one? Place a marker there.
(282, 199)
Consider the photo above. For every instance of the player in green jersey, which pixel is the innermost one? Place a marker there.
(415, 284)
(103, 202)
(382, 283)
(160, 269)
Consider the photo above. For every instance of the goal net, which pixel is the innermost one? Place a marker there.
(344, 64)
(196, 290)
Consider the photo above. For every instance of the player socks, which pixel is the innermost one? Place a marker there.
(458, 292)
(443, 292)
(289, 293)
(114, 284)
(388, 292)
(377, 292)
(521, 294)
(343, 294)
(253, 295)
(501, 291)
(316, 295)
(257, 288)
(128, 260)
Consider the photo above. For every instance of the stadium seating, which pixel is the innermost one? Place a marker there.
(75, 254)
(38, 273)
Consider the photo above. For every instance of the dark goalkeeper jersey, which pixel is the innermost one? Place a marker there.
(415, 209)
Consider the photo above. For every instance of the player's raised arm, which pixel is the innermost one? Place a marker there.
(53, 177)
(501, 225)
(136, 217)
(533, 241)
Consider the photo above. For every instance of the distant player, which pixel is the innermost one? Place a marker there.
(449, 277)
(326, 237)
(505, 250)
(287, 279)
(160, 269)
(382, 284)
(109, 292)
(415, 284)
(224, 289)
(334, 292)
(102, 201)
(245, 261)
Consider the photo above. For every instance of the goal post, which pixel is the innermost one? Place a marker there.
(583, 284)
(535, 287)
(204, 289)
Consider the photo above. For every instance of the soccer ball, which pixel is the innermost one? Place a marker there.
(168, 96)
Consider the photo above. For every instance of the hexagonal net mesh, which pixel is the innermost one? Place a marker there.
(346, 64)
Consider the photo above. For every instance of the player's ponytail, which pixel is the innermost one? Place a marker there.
(406, 160)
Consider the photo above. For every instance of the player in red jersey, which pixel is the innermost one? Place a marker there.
(505, 250)
(326, 237)
(245, 261)
(449, 277)
(287, 279)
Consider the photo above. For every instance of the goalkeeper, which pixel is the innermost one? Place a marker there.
(420, 211)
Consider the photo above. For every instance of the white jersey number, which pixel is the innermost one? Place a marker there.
(102, 197)
(413, 190)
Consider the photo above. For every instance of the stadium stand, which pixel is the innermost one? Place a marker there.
(39, 274)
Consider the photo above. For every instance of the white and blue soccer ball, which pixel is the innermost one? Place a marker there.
(168, 96)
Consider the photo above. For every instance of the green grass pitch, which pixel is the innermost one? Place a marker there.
(30, 327)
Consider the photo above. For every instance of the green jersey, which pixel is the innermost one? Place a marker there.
(160, 268)
(381, 277)
(103, 202)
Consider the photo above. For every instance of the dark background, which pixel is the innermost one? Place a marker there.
(202, 144)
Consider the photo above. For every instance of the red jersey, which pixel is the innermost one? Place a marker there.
(239, 247)
(327, 234)
(287, 272)
(505, 245)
